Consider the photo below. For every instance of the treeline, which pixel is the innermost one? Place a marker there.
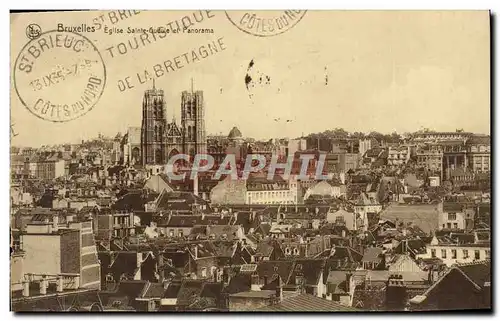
(340, 133)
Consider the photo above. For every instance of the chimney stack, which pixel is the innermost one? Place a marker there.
(279, 290)
(161, 264)
(348, 277)
(43, 285)
(195, 185)
(26, 288)
(60, 285)
(55, 223)
(255, 286)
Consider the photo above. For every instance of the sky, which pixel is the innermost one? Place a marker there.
(359, 70)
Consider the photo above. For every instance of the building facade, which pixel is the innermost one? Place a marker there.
(161, 140)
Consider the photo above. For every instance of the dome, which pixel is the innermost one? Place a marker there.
(234, 133)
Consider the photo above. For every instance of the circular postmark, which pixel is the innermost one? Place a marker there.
(265, 23)
(33, 31)
(59, 76)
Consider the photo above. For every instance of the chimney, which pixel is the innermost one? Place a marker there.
(43, 285)
(137, 276)
(26, 288)
(60, 286)
(255, 286)
(55, 223)
(160, 265)
(348, 277)
(279, 290)
(195, 185)
(299, 281)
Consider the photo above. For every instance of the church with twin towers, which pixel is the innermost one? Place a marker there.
(160, 139)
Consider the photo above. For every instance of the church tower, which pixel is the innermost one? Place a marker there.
(154, 121)
(194, 139)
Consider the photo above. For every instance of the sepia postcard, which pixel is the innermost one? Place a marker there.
(261, 161)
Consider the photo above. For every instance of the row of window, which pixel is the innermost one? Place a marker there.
(465, 254)
(449, 226)
(289, 251)
(259, 195)
(272, 202)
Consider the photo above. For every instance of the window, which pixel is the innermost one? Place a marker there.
(443, 254)
(477, 255)
(487, 254)
(171, 232)
(181, 233)
(433, 253)
(466, 254)
(452, 216)
(204, 272)
(453, 254)
(448, 225)
(340, 220)
(455, 225)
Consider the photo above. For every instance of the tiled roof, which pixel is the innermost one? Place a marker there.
(477, 272)
(239, 283)
(189, 290)
(424, 216)
(311, 269)
(134, 201)
(153, 290)
(306, 303)
(270, 269)
(372, 254)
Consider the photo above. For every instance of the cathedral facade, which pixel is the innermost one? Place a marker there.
(160, 139)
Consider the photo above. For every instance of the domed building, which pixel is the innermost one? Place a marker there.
(235, 135)
(236, 145)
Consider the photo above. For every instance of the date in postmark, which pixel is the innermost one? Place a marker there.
(59, 76)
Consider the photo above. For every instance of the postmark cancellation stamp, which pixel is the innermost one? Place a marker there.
(59, 76)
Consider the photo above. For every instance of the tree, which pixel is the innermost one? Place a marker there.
(358, 135)
(395, 137)
(378, 136)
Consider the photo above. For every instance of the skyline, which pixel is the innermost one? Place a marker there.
(361, 71)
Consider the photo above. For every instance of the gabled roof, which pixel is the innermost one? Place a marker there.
(153, 291)
(310, 269)
(173, 130)
(272, 269)
(478, 272)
